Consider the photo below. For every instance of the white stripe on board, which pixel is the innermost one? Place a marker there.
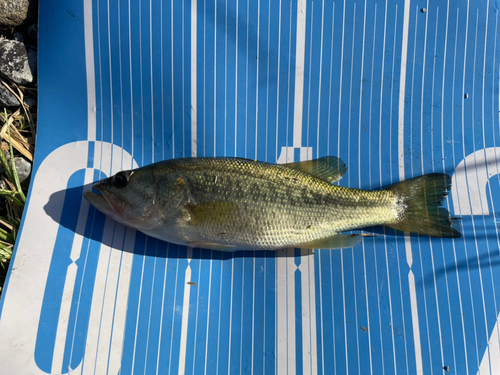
(256, 94)
(195, 335)
(320, 74)
(452, 336)
(309, 341)
(242, 313)
(174, 307)
(371, 98)
(139, 303)
(194, 55)
(267, 85)
(362, 71)
(209, 302)
(402, 90)
(152, 80)
(225, 86)
(130, 78)
(381, 179)
(148, 329)
(121, 77)
(421, 128)
(409, 256)
(109, 301)
(285, 306)
(172, 96)
(96, 307)
(111, 103)
(183, 75)
(120, 314)
(253, 314)
(230, 313)
(160, 329)
(341, 78)
(185, 314)
(330, 80)
(285, 314)
(438, 308)
(299, 72)
(342, 251)
(401, 304)
(220, 313)
(454, 187)
(288, 80)
(161, 86)
(89, 66)
(215, 79)
(308, 100)
(469, 179)
(368, 315)
(236, 86)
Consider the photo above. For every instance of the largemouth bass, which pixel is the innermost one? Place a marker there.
(237, 204)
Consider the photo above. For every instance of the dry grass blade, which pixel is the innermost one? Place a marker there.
(19, 96)
(8, 245)
(18, 141)
(7, 182)
(5, 224)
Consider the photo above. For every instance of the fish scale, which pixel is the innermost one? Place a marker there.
(233, 204)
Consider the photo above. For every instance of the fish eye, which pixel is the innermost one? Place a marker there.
(120, 180)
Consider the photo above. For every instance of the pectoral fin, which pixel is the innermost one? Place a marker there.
(328, 168)
(337, 241)
(217, 212)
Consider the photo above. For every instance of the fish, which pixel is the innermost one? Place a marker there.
(229, 204)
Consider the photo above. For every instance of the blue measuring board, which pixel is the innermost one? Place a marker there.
(396, 88)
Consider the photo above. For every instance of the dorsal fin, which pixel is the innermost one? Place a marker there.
(328, 168)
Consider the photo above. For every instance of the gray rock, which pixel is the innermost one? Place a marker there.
(19, 36)
(14, 61)
(33, 32)
(32, 60)
(23, 168)
(13, 12)
(31, 102)
(7, 99)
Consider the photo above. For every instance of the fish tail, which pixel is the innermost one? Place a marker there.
(420, 200)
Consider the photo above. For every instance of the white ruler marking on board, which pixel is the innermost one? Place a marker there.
(401, 125)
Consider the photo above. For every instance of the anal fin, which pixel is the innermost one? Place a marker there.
(212, 246)
(338, 241)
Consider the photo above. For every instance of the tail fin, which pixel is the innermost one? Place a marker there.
(420, 198)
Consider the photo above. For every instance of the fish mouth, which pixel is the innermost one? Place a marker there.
(105, 201)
